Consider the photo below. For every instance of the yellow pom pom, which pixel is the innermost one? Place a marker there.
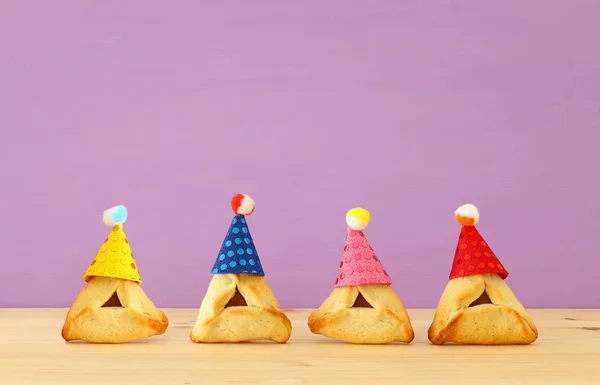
(357, 218)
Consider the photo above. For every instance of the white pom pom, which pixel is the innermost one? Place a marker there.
(115, 216)
(467, 215)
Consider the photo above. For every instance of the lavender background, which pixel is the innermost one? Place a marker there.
(406, 108)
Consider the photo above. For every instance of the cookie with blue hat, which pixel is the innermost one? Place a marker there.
(239, 305)
(112, 307)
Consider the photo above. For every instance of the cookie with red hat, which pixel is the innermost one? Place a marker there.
(477, 306)
(363, 308)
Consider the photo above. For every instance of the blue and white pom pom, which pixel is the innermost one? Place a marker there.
(115, 216)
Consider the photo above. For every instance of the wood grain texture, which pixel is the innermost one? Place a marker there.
(32, 352)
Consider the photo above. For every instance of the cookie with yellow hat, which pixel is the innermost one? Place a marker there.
(363, 307)
(112, 307)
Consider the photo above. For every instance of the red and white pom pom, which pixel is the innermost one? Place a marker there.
(467, 215)
(242, 204)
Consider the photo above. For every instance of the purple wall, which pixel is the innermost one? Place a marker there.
(407, 108)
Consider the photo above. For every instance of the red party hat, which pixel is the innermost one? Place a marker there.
(359, 264)
(473, 254)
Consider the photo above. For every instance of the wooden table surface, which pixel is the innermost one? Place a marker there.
(32, 352)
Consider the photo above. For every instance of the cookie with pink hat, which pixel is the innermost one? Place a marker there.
(363, 308)
(477, 306)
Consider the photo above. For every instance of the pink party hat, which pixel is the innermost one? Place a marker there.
(359, 264)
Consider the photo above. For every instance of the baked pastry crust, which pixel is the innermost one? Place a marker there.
(387, 320)
(261, 319)
(504, 321)
(137, 318)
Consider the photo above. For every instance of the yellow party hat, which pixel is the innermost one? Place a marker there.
(114, 259)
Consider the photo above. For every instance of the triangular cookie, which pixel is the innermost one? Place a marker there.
(365, 314)
(481, 309)
(240, 307)
(113, 310)
(239, 304)
(363, 308)
(477, 305)
(112, 307)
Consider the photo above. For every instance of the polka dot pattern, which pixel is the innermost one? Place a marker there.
(238, 253)
(474, 256)
(114, 259)
(359, 264)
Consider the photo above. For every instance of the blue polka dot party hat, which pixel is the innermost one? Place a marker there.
(238, 254)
